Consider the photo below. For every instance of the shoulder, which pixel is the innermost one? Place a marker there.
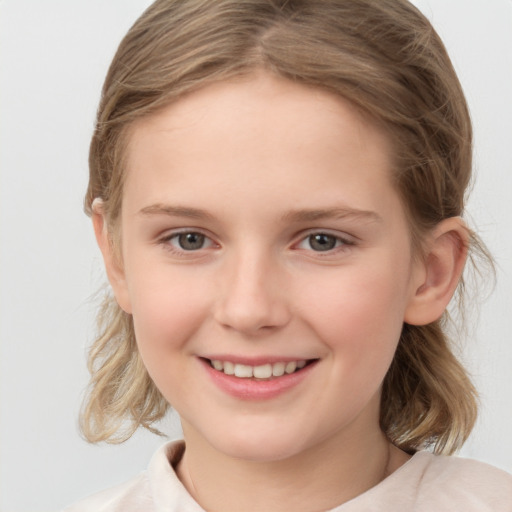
(133, 495)
(158, 484)
(463, 484)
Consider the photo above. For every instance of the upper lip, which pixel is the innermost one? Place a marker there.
(255, 361)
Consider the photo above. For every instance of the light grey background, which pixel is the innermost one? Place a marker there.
(54, 55)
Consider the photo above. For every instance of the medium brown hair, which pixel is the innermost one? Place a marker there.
(384, 57)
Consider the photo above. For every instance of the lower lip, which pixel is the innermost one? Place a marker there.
(252, 389)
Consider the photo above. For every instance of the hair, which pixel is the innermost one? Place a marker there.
(386, 59)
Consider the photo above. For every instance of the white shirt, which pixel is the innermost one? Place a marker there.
(425, 483)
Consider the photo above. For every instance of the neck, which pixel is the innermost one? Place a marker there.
(322, 477)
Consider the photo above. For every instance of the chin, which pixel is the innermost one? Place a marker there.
(258, 444)
(263, 451)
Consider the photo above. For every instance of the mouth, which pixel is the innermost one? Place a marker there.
(265, 379)
(262, 372)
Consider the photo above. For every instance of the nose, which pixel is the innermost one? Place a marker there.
(252, 297)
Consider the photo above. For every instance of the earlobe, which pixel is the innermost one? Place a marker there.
(442, 270)
(113, 267)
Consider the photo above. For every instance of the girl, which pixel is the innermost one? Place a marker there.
(277, 190)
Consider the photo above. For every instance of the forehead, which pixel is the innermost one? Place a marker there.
(260, 133)
(228, 104)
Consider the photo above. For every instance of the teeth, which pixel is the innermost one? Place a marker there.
(218, 365)
(242, 370)
(290, 367)
(264, 371)
(278, 369)
(229, 368)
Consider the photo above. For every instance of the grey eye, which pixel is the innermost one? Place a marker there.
(322, 242)
(189, 241)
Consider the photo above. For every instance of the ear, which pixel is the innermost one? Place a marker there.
(113, 265)
(441, 271)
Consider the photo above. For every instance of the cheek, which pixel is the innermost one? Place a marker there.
(167, 309)
(359, 315)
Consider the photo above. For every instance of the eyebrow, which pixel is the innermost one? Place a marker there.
(331, 213)
(176, 211)
(302, 215)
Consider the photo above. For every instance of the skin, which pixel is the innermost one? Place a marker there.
(257, 166)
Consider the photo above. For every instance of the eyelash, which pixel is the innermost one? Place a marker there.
(341, 243)
(180, 251)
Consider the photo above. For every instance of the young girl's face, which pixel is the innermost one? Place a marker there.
(260, 230)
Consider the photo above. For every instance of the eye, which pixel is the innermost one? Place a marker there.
(322, 242)
(189, 241)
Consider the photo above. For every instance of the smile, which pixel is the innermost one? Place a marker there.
(264, 379)
(264, 371)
